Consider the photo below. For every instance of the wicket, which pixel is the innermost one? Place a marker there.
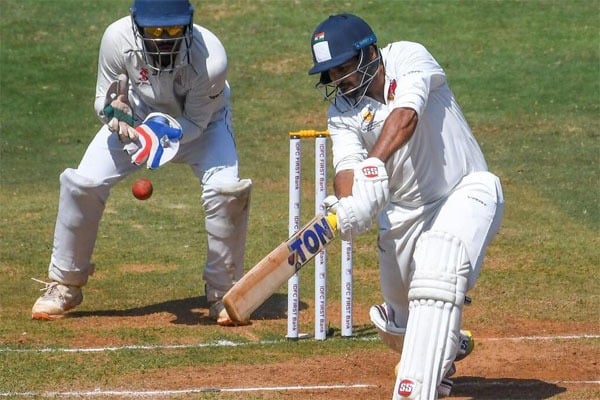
(294, 224)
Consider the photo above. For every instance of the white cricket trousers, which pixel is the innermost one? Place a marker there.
(472, 212)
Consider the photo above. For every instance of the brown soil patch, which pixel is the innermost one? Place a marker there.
(502, 366)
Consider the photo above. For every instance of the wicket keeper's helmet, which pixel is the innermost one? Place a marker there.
(338, 39)
(165, 29)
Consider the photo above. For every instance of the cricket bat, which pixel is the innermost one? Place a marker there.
(270, 273)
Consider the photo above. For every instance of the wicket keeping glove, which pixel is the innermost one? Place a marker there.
(117, 112)
(158, 141)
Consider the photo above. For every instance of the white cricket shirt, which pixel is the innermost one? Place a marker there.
(194, 94)
(441, 151)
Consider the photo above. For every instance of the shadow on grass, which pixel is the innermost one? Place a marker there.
(477, 388)
(192, 310)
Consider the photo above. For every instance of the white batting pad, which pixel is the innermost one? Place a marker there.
(436, 296)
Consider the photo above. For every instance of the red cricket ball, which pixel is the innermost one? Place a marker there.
(142, 189)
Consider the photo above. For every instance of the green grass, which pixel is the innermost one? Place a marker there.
(526, 74)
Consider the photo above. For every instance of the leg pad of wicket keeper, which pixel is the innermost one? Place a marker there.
(436, 296)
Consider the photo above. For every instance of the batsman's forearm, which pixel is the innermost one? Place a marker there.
(342, 183)
(397, 130)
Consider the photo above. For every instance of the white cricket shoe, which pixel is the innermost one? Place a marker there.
(56, 300)
(445, 386)
(382, 317)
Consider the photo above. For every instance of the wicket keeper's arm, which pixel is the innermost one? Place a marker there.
(270, 273)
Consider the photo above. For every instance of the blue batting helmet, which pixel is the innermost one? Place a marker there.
(161, 47)
(338, 39)
(150, 13)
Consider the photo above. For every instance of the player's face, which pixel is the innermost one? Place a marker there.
(347, 84)
(163, 42)
(347, 77)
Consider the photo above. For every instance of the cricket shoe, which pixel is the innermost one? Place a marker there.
(382, 316)
(218, 313)
(56, 300)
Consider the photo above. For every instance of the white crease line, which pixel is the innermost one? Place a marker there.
(152, 393)
(220, 343)
(229, 343)
(539, 338)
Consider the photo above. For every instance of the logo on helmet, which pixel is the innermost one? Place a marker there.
(319, 37)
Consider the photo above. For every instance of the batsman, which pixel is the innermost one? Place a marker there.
(162, 95)
(404, 153)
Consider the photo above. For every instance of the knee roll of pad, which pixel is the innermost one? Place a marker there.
(441, 269)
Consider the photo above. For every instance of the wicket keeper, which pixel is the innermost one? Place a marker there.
(161, 95)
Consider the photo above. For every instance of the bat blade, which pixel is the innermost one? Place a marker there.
(270, 273)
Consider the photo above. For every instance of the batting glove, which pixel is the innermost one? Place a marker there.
(330, 204)
(158, 138)
(371, 184)
(353, 217)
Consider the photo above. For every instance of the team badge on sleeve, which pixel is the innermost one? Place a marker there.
(392, 90)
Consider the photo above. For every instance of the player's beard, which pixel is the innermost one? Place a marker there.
(368, 70)
(346, 98)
